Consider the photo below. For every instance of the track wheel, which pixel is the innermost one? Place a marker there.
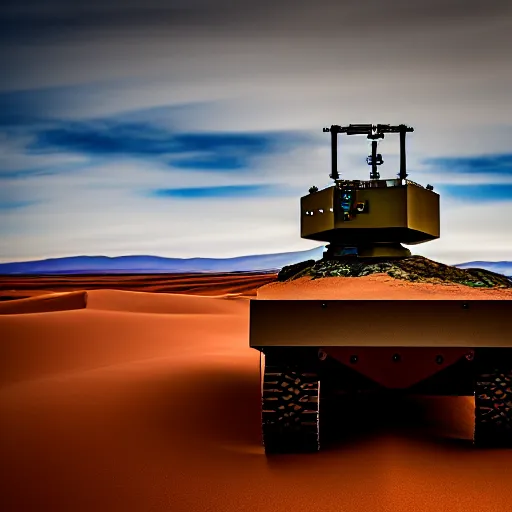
(290, 411)
(493, 406)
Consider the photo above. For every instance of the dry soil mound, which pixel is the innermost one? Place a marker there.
(415, 269)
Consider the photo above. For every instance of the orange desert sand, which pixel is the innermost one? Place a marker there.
(115, 400)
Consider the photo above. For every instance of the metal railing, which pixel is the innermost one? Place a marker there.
(358, 184)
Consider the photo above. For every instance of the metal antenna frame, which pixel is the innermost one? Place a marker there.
(373, 132)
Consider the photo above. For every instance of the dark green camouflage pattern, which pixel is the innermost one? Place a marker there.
(414, 268)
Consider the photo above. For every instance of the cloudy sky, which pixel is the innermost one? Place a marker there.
(192, 127)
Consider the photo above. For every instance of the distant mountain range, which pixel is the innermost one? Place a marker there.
(500, 267)
(156, 264)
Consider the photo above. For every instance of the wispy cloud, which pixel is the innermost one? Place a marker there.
(235, 191)
(492, 164)
(478, 193)
(148, 134)
(9, 205)
(210, 151)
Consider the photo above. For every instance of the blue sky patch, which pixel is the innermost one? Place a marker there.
(210, 163)
(478, 193)
(7, 205)
(205, 151)
(229, 191)
(102, 139)
(485, 164)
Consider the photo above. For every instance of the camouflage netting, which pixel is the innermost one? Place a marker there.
(414, 268)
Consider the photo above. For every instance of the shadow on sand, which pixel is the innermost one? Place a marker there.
(358, 419)
(223, 406)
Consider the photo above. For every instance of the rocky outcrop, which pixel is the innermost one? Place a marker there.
(413, 268)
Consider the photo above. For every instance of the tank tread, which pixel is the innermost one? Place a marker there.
(290, 410)
(493, 407)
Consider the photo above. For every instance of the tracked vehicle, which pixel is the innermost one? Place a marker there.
(315, 349)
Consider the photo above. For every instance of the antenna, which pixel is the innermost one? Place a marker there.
(334, 129)
(373, 132)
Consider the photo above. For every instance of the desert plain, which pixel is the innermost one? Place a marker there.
(140, 393)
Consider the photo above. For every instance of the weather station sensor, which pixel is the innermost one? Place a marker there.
(370, 218)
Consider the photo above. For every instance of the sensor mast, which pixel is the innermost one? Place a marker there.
(373, 132)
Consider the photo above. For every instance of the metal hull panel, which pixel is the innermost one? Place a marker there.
(381, 323)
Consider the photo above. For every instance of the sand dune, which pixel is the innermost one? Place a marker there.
(163, 303)
(191, 284)
(148, 402)
(115, 327)
(115, 300)
(45, 303)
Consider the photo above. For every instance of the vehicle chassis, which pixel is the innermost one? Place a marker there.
(421, 347)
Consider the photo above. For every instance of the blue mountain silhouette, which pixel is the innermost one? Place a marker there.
(500, 267)
(157, 264)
